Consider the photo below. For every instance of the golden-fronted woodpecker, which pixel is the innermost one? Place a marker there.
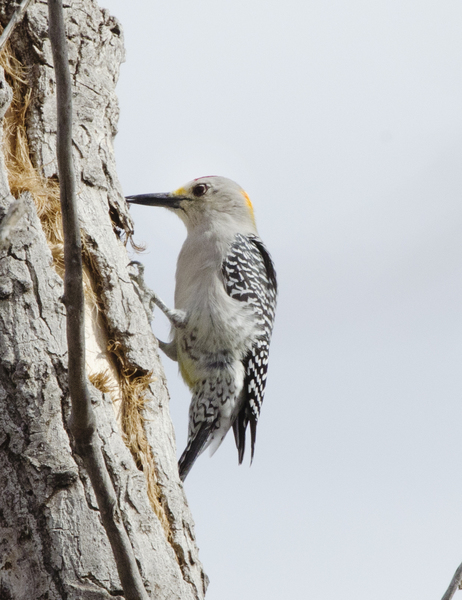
(225, 299)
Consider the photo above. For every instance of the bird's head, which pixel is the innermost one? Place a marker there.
(205, 201)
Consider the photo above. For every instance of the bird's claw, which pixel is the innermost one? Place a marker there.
(148, 297)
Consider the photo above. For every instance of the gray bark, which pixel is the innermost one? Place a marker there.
(52, 542)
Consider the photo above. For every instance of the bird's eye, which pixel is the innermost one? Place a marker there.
(200, 189)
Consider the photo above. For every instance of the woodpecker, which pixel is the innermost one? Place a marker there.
(225, 300)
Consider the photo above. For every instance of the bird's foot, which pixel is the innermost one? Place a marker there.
(148, 297)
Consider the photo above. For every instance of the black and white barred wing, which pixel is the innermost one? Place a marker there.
(249, 277)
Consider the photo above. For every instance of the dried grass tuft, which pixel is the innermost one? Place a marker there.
(103, 382)
(134, 385)
(22, 175)
(138, 248)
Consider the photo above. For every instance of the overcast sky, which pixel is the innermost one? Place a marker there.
(343, 122)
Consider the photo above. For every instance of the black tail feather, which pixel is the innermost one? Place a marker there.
(239, 427)
(253, 435)
(193, 449)
(244, 418)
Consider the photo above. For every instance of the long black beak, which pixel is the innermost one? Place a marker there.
(167, 200)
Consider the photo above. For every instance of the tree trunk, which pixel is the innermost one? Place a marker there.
(52, 542)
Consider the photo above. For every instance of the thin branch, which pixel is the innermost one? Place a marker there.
(83, 423)
(454, 585)
(17, 16)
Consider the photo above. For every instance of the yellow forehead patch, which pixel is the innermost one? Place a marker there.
(179, 192)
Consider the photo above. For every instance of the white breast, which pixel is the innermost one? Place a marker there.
(219, 322)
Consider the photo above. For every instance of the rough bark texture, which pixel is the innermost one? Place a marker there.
(52, 543)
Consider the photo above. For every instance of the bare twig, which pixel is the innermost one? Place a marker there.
(454, 585)
(17, 16)
(83, 424)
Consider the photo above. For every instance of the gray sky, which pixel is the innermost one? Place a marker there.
(343, 122)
